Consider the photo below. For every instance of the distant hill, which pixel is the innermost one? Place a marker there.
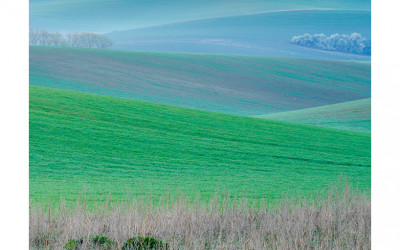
(106, 16)
(264, 34)
(243, 85)
(113, 145)
(354, 115)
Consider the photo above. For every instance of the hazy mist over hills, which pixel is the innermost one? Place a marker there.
(264, 34)
(254, 27)
(107, 16)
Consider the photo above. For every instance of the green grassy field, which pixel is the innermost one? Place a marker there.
(244, 85)
(354, 115)
(111, 145)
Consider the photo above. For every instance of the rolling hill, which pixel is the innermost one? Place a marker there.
(262, 34)
(103, 15)
(354, 115)
(244, 85)
(111, 145)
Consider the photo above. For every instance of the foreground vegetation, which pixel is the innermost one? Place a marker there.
(338, 219)
(114, 145)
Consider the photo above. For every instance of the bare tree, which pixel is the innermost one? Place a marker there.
(103, 41)
(33, 36)
(94, 40)
(44, 37)
(56, 39)
(87, 39)
(72, 40)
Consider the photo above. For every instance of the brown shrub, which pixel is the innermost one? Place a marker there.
(340, 219)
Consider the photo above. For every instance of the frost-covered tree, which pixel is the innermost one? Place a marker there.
(353, 43)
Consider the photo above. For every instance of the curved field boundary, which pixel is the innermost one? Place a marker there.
(113, 145)
(354, 115)
(243, 85)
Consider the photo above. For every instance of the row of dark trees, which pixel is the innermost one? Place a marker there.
(354, 43)
(76, 39)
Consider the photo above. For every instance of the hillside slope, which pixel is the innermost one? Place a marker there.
(110, 144)
(103, 15)
(263, 34)
(354, 115)
(242, 85)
